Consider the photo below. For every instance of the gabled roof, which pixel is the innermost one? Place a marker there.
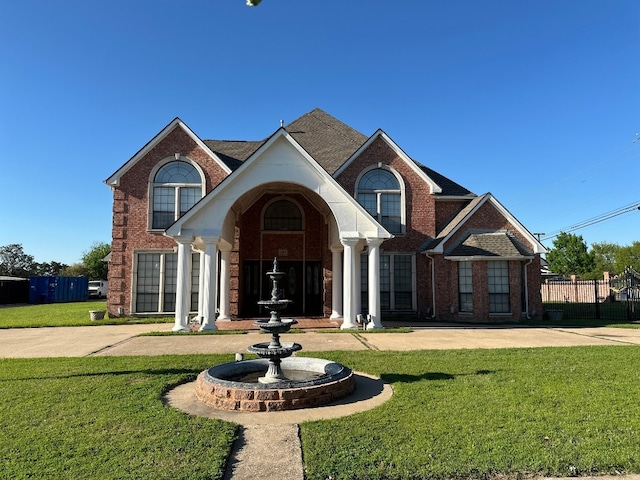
(435, 188)
(114, 179)
(449, 187)
(437, 244)
(233, 152)
(489, 244)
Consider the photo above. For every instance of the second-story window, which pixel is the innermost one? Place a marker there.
(379, 192)
(177, 186)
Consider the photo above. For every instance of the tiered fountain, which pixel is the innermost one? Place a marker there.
(276, 381)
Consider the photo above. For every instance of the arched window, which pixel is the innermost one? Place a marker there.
(283, 215)
(379, 192)
(177, 186)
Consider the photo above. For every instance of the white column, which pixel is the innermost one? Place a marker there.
(210, 283)
(348, 296)
(201, 288)
(374, 283)
(357, 289)
(336, 282)
(183, 282)
(225, 282)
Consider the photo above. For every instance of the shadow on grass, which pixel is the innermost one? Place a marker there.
(192, 373)
(430, 376)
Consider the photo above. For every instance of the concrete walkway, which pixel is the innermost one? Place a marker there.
(252, 455)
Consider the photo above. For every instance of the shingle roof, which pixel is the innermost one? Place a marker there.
(490, 244)
(449, 187)
(329, 141)
(233, 152)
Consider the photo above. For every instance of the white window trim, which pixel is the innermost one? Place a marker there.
(152, 184)
(403, 207)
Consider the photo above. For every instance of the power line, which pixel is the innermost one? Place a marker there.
(592, 221)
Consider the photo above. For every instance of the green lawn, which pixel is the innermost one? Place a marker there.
(102, 418)
(454, 414)
(64, 315)
(487, 414)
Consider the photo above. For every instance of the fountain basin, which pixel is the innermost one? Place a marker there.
(311, 382)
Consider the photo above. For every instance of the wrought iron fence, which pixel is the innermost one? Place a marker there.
(617, 298)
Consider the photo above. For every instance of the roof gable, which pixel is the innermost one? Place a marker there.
(437, 245)
(114, 179)
(493, 244)
(435, 188)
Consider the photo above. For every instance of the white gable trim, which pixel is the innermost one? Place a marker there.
(488, 197)
(114, 180)
(244, 179)
(435, 188)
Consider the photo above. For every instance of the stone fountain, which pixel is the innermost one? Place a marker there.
(276, 381)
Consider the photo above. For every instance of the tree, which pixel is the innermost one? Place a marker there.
(93, 261)
(75, 270)
(628, 256)
(569, 255)
(14, 262)
(52, 269)
(604, 259)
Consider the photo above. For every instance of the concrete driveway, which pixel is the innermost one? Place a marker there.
(124, 340)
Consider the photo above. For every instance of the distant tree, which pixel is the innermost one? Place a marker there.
(628, 256)
(52, 269)
(14, 262)
(93, 261)
(75, 270)
(570, 256)
(604, 259)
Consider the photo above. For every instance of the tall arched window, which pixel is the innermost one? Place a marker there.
(379, 192)
(177, 186)
(283, 215)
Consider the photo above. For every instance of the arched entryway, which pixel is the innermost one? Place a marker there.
(290, 226)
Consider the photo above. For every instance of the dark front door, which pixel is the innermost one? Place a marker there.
(302, 284)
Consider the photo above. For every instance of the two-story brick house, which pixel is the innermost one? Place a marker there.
(356, 224)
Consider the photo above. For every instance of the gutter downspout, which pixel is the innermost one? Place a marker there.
(433, 286)
(526, 288)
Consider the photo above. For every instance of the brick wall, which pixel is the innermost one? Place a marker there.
(131, 210)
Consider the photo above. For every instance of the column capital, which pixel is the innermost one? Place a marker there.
(349, 241)
(374, 241)
(210, 239)
(183, 239)
(336, 248)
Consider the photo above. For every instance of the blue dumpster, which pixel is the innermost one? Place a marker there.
(58, 289)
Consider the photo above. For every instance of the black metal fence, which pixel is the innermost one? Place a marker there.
(614, 299)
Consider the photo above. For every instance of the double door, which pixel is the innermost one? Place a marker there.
(302, 284)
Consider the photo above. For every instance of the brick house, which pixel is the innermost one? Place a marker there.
(356, 224)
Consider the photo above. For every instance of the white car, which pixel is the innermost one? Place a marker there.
(98, 288)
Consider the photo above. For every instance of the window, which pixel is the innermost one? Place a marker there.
(498, 286)
(156, 282)
(465, 287)
(283, 215)
(397, 282)
(379, 192)
(177, 186)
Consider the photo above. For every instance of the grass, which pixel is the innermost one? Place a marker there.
(102, 418)
(485, 414)
(64, 315)
(509, 413)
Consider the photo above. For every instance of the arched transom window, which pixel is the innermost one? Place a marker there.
(177, 186)
(379, 192)
(283, 215)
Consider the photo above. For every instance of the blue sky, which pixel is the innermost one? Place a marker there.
(536, 102)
